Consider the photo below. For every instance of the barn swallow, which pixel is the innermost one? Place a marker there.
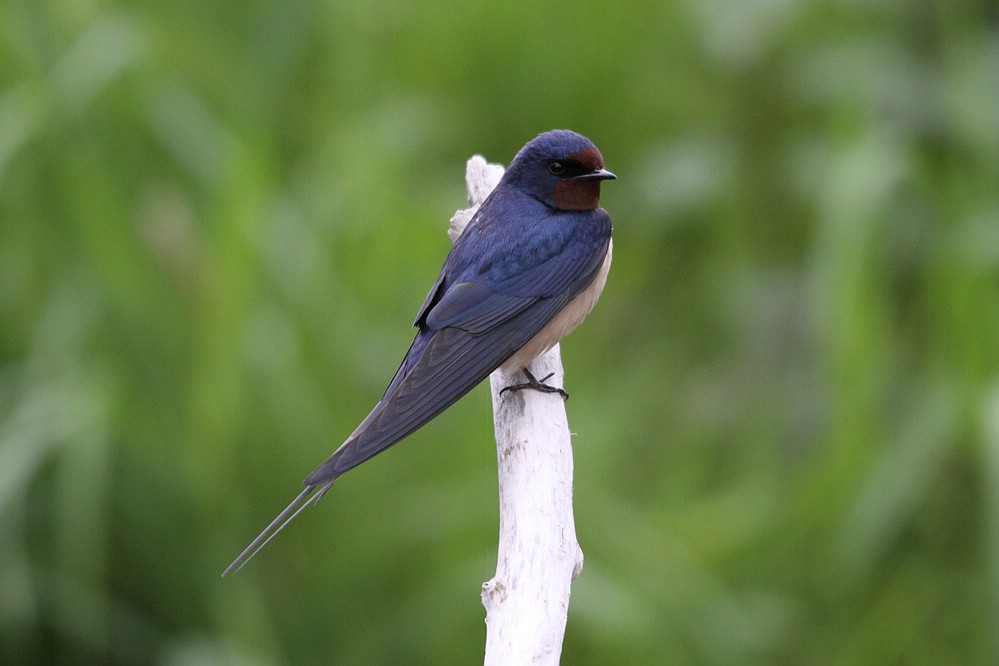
(525, 272)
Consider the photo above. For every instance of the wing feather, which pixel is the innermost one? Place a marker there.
(485, 305)
(453, 362)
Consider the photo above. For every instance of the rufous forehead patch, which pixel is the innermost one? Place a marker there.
(588, 157)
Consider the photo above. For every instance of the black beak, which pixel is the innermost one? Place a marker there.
(599, 174)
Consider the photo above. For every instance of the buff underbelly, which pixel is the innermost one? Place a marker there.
(571, 316)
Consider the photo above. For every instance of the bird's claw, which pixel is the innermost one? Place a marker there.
(537, 385)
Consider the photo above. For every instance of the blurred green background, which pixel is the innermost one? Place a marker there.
(217, 221)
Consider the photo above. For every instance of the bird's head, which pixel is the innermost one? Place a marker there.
(561, 169)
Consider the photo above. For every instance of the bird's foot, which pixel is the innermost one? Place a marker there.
(537, 385)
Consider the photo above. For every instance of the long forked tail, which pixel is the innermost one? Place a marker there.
(303, 500)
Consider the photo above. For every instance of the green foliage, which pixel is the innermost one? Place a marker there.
(217, 220)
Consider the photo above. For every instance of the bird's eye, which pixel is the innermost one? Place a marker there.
(556, 168)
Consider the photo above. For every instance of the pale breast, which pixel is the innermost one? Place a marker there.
(571, 316)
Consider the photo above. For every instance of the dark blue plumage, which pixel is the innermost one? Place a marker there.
(524, 272)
